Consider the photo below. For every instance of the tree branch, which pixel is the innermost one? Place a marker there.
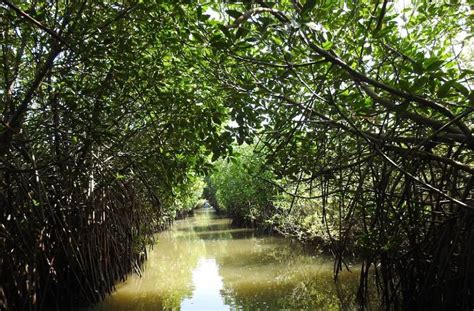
(359, 77)
(35, 22)
(244, 17)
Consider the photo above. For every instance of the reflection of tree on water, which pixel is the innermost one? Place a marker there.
(268, 272)
(167, 278)
(276, 276)
(203, 262)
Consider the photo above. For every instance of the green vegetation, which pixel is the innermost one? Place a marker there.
(361, 114)
(369, 108)
(248, 192)
(100, 142)
(240, 194)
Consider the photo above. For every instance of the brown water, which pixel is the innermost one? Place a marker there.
(203, 263)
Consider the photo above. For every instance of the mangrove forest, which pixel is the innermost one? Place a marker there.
(236, 155)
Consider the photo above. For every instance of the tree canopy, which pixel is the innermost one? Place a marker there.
(111, 111)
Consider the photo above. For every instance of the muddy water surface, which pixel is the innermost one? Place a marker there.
(203, 263)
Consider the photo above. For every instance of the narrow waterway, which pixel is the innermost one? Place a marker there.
(203, 263)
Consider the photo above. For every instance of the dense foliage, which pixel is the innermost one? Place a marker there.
(369, 106)
(105, 123)
(245, 189)
(240, 190)
(362, 110)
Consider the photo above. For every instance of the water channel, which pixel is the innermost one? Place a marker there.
(203, 263)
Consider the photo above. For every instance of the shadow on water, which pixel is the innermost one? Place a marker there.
(203, 263)
(224, 226)
(233, 234)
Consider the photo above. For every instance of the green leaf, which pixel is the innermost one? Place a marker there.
(199, 12)
(405, 86)
(218, 42)
(313, 26)
(327, 45)
(443, 91)
(461, 88)
(119, 176)
(234, 13)
(308, 6)
(204, 17)
(241, 32)
(225, 31)
(433, 63)
(418, 67)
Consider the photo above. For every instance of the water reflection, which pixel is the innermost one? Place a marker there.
(207, 288)
(203, 263)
